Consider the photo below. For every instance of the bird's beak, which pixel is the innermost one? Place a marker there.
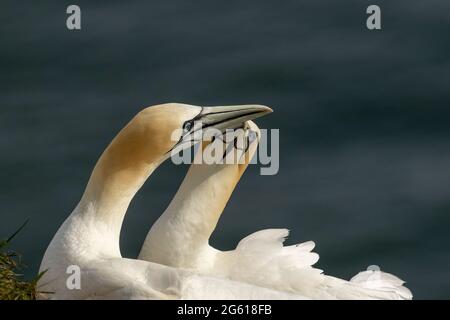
(220, 118)
(230, 117)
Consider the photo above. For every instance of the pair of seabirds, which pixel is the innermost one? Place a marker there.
(176, 260)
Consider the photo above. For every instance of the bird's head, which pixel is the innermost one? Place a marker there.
(150, 137)
(174, 126)
(156, 131)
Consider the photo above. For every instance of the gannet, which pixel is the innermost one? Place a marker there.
(180, 238)
(88, 240)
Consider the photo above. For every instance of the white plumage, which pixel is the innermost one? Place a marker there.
(180, 238)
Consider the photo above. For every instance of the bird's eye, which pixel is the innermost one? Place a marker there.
(187, 126)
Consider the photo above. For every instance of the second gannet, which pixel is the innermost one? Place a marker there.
(180, 238)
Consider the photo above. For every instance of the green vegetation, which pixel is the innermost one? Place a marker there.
(12, 286)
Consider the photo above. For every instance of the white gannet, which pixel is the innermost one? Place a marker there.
(87, 243)
(180, 238)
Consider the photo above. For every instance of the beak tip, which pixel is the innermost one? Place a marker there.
(264, 109)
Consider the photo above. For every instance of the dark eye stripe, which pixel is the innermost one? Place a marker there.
(187, 125)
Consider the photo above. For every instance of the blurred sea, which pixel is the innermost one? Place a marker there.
(364, 119)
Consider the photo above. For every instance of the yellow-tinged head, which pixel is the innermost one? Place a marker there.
(148, 139)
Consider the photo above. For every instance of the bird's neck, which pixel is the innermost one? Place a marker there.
(109, 193)
(181, 235)
(119, 173)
